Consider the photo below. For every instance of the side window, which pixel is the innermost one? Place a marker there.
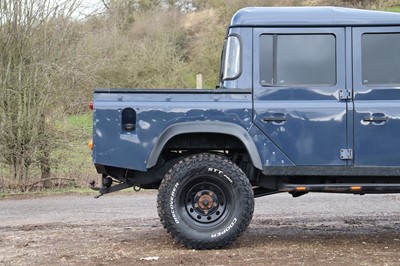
(380, 57)
(297, 60)
(232, 62)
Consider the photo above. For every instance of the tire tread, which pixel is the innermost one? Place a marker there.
(199, 160)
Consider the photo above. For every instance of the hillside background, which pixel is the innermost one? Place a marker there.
(53, 54)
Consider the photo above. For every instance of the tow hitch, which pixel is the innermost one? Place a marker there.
(108, 186)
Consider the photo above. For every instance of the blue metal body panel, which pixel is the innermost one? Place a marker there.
(318, 121)
(158, 113)
(311, 16)
(375, 143)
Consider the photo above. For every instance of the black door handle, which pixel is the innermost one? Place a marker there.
(377, 119)
(278, 119)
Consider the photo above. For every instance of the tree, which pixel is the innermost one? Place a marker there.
(123, 11)
(36, 65)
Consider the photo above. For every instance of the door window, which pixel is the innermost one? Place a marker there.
(380, 59)
(297, 60)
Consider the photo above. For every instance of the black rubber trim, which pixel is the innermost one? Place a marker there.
(341, 188)
(174, 91)
(331, 171)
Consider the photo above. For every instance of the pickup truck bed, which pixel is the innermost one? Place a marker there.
(308, 101)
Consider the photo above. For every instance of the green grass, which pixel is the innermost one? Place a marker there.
(80, 122)
(393, 9)
(47, 192)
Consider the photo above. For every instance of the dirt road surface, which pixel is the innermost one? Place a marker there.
(123, 229)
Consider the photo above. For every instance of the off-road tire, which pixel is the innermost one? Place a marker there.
(205, 201)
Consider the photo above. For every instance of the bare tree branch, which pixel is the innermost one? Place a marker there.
(105, 4)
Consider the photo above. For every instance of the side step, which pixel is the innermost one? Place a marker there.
(340, 188)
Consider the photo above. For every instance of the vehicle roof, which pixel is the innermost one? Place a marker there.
(312, 16)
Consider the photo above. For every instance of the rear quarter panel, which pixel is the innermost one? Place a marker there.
(155, 112)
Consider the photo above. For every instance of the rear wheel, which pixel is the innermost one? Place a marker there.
(205, 201)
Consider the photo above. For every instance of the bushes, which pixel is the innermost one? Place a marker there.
(147, 54)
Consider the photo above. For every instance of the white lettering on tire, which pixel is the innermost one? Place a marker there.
(229, 227)
(171, 203)
(214, 170)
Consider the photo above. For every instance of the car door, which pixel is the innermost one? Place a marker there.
(299, 92)
(376, 57)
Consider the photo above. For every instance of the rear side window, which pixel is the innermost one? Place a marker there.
(380, 57)
(298, 60)
(232, 60)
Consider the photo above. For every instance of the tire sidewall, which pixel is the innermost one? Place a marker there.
(225, 175)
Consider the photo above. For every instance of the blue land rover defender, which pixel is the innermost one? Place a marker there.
(308, 101)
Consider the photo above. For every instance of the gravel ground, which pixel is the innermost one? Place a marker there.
(124, 229)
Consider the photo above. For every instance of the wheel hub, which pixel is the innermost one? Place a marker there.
(205, 203)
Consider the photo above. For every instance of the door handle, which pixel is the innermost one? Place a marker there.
(278, 119)
(376, 119)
